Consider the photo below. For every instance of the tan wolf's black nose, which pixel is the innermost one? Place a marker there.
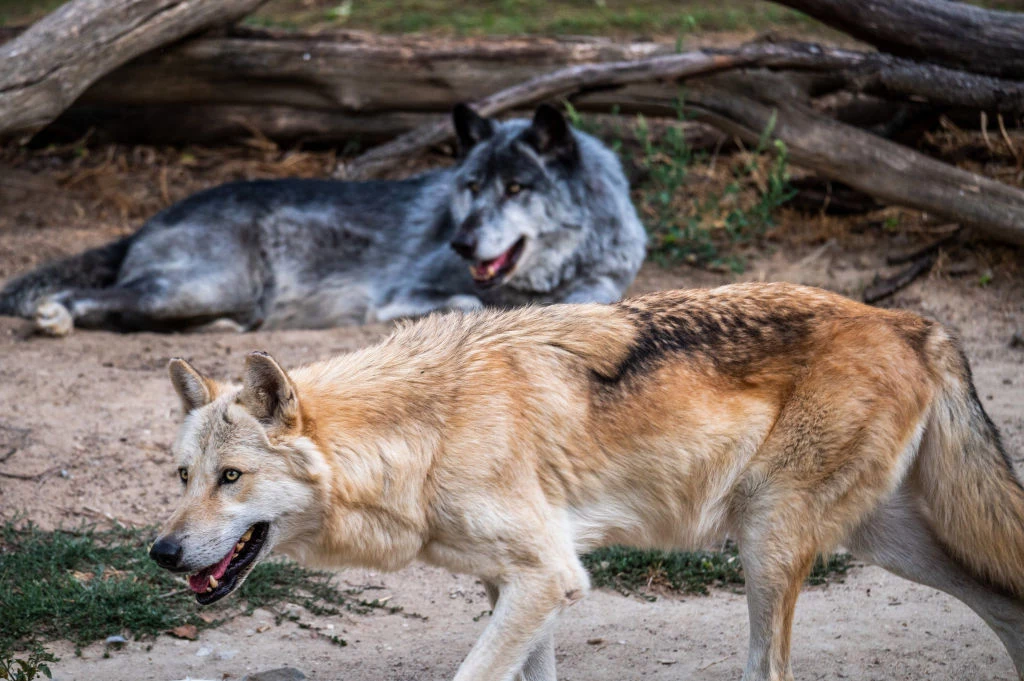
(166, 552)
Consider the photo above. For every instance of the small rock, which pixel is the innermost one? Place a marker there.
(1017, 340)
(204, 652)
(595, 641)
(226, 654)
(116, 640)
(282, 674)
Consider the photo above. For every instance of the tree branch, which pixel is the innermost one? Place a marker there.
(48, 66)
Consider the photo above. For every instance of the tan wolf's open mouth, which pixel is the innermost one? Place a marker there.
(216, 581)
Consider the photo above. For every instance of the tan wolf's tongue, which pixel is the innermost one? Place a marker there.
(201, 580)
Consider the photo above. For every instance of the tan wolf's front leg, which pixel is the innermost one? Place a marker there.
(772, 589)
(527, 607)
(540, 665)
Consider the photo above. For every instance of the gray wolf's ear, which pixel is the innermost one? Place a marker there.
(268, 393)
(470, 127)
(550, 134)
(194, 389)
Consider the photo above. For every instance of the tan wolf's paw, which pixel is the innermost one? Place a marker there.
(53, 319)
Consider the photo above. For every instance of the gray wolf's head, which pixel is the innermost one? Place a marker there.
(516, 201)
(247, 480)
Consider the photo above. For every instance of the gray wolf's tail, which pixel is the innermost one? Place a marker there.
(95, 268)
(974, 497)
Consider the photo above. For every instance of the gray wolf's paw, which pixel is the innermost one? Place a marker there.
(53, 319)
(222, 325)
(464, 302)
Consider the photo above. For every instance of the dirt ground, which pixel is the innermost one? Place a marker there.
(90, 418)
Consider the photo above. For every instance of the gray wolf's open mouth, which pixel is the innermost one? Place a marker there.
(488, 273)
(218, 580)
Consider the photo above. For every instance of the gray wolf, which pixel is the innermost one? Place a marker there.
(536, 212)
(505, 444)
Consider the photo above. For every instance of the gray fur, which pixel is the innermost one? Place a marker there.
(320, 253)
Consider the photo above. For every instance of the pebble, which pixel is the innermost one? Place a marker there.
(282, 674)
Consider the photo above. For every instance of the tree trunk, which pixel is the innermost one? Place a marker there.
(49, 65)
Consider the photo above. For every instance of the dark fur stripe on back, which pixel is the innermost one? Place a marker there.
(732, 335)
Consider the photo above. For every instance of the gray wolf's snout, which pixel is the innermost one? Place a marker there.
(166, 551)
(464, 244)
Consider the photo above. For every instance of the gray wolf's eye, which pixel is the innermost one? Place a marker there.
(229, 476)
(474, 188)
(183, 474)
(513, 189)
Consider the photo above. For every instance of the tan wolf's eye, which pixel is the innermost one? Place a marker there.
(230, 475)
(183, 474)
(513, 189)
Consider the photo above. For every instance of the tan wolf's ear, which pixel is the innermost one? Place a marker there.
(268, 393)
(194, 389)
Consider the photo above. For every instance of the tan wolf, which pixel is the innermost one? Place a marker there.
(505, 444)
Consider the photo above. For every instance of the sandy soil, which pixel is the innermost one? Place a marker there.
(91, 417)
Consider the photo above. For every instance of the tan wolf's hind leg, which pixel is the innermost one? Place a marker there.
(898, 538)
(540, 665)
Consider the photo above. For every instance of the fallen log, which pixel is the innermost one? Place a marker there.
(224, 124)
(948, 33)
(334, 84)
(873, 73)
(49, 65)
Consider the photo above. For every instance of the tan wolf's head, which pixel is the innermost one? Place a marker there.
(247, 475)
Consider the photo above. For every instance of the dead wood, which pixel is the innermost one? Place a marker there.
(922, 251)
(816, 195)
(565, 82)
(947, 33)
(870, 72)
(49, 65)
(882, 288)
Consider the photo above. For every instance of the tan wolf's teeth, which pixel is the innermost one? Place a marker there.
(213, 582)
(248, 533)
(238, 546)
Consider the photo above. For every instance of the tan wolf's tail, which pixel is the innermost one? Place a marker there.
(975, 498)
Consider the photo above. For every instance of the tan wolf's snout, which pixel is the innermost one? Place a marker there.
(506, 443)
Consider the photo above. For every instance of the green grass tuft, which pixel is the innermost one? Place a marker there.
(692, 572)
(87, 584)
(697, 209)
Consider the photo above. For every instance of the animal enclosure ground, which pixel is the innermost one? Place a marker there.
(87, 422)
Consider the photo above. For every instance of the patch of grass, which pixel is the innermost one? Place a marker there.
(694, 572)
(88, 584)
(543, 17)
(31, 666)
(699, 209)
